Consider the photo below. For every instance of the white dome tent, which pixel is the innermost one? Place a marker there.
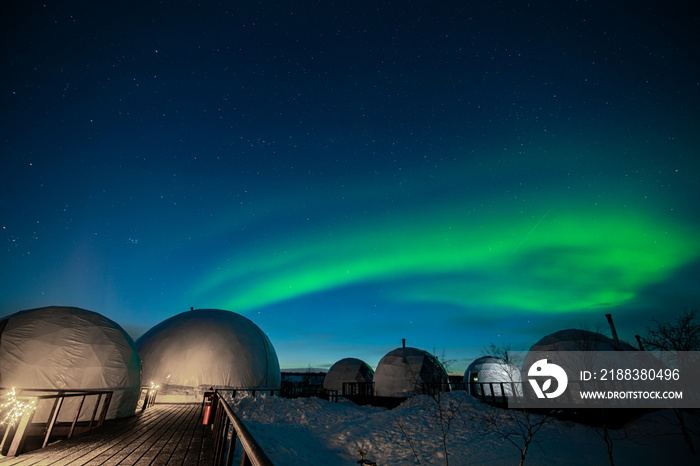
(68, 348)
(408, 371)
(576, 349)
(348, 370)
(198, 349)
(573, 341)
(488, 376)
(578, 340)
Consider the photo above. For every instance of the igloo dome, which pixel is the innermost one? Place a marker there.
(407, 371)
(207, 348)
(490, 376)
(68, 348)
(566, 345)
(348, 370)
(578, 340)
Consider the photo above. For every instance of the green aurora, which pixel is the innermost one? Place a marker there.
(463, 235)
(565, 259)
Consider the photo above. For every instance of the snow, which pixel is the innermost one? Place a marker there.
(315, 431)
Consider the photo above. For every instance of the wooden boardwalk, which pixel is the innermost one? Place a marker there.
(168, 433)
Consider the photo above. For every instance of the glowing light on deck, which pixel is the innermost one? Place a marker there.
(17, 408)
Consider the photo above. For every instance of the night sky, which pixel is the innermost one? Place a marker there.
(350, 173)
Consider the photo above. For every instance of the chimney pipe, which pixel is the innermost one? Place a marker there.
(639, 342)
(403, 351)
(614, 333)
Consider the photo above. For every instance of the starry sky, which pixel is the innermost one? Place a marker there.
(350, 173)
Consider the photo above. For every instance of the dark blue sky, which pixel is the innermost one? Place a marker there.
(347, 174)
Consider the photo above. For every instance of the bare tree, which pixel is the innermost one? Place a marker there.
(683, 334)
(432, 384)
(517, 427)
(445, 413)
(507, 380)
(608, 435)
(497, 351)
(404, 432)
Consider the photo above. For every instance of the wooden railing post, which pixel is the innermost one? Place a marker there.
(77, 415)
(52, 419)
(17, 445)
(145, 398)
(105, 408)
(231, 440)
(94, 411)
(217, 430)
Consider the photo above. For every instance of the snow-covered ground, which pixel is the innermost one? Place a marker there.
(313, 431)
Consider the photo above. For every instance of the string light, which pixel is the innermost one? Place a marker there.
(17, 408)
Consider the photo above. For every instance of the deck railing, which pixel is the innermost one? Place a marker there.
(227, 428)
(498, 393)
(16, 435)
(503, 393)
(358, 389)
(148, 396)
(309, 392)
(248, 391)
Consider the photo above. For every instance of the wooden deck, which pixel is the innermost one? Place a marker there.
(168, 433)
